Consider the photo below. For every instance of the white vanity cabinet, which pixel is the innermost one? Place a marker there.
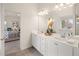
(51, 46)
(39, 43)
(56, 48)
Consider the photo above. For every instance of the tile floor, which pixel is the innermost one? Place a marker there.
(13, 49)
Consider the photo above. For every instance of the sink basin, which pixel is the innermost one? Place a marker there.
(71, 41)
(67, 40)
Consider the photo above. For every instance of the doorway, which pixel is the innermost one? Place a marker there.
(12, 32)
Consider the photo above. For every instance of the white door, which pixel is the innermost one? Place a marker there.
(1, 31)
(64, 50)
(52, 48)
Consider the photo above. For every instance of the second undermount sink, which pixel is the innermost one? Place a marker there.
(71, 42)
(67, 40)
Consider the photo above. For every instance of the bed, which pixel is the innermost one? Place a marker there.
(12, 35)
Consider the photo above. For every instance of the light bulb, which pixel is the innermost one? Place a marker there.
(44, 12)
(56, 6)
(64, 7)
(61, 4)
(40, 13)
(5, 22)
(71, 5)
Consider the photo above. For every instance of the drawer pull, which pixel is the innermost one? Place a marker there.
(2, 39)
(55, 43)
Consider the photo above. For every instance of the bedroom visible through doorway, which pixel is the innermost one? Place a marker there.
(12, 32)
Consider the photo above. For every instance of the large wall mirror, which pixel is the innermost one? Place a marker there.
(67, 22)
(76, 19)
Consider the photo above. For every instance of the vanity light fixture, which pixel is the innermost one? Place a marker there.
(61, 4)
(5, 22)
(44, 12)
(71, 5)
(64, 7)
(67, 3)
(40, 13)
(56, 6)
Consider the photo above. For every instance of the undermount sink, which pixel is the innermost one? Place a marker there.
(67, 40)
(71, 41)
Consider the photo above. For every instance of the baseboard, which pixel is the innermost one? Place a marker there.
(26, 47)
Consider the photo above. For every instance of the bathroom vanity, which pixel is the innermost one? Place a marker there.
(66, 23)
(55, 45)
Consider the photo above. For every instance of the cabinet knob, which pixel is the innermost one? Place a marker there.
(2, 39)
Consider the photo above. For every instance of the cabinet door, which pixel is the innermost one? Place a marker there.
(52, 49)
(33, 40)
(36, 41)
(43, 46)
(64, 50)
(2, 47)
(76, 51)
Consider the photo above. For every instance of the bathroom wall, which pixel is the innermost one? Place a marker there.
(2, 51)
